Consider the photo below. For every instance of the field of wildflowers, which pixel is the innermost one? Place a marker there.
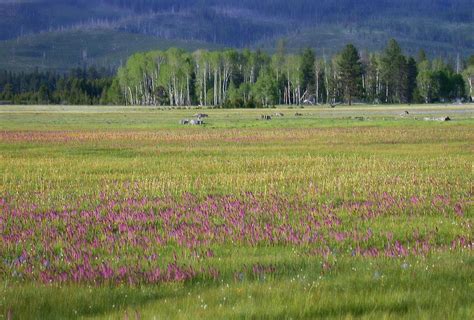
(125, 215)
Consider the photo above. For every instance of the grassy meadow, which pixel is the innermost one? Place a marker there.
(123, 213)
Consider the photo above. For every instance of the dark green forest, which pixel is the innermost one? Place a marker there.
(77, 87)
(249, 79)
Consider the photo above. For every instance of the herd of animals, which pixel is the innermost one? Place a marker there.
(195, 122)
(199, 118)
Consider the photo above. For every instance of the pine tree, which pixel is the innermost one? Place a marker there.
(421, 56)
(412, 73)
(393, 71)
(308, 79)
(8, 92)
(350, 72)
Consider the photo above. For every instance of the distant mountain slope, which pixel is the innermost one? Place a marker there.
(445, 40)
(63, 51)
(443, 27)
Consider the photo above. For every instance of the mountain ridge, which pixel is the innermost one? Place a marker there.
(444, 28)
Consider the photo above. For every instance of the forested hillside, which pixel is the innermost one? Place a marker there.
(442, 27)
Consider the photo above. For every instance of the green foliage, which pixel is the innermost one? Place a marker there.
(228, 78)
(421, 56)
(7, 91)
(425, 81)
(469, 78)
(307, 69)
(393, 72)
(113, 94)
(265, 89)
(350, 72)
(437, 82)
(79, 86)
(412, 72)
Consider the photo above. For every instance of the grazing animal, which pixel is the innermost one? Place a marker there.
(265, 117)
(438, 119)
(279, 114)
(201, 115)
(184, 121)
(298, 114)
(196, 122)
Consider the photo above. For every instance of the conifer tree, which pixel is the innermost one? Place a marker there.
(350, 73)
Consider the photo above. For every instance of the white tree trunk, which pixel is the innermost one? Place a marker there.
(470, 80)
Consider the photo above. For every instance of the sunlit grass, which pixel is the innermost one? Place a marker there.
(320, 216)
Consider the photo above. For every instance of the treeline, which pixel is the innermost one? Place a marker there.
(78, 87)
(247, 78)
(250, 79)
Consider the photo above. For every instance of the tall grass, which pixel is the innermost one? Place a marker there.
(270, 221)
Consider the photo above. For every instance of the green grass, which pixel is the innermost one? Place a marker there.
(148, 118)
(425, 289)
(57, 156)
